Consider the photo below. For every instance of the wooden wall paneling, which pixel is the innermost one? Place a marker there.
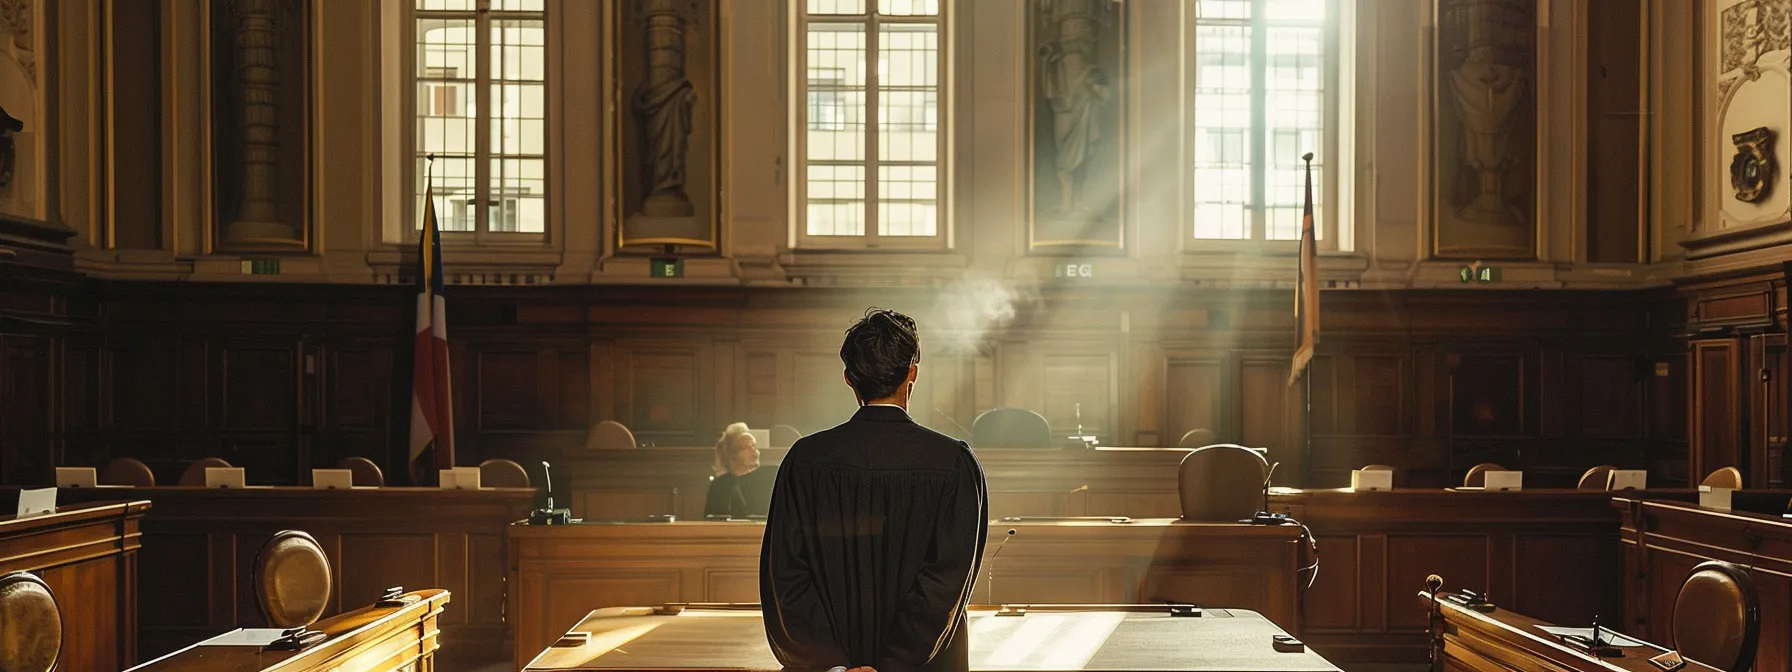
(506, 394)
(659, 385)
(258, 389)
(1195, 394)
(602, 363)
(1080, 389)
(820, 397)
(758, 388)
(26, 410)
(1715, 407)
(1269, 414)
(1149, 395)
(1767, 399)
(356, 413)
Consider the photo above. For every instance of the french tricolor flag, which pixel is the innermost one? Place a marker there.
(432, 407)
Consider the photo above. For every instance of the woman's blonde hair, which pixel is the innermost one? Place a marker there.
(725, 447)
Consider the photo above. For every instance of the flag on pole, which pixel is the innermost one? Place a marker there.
(1306, 286)
(432, 408)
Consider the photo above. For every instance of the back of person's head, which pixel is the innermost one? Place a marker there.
(877, 352)
(725, 447)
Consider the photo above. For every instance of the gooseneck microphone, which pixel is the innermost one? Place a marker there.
(989, 572)
(948, 417)
(547, 478)
(549, 515)
(1433, 624)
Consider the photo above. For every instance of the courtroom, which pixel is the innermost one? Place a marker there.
(895, 335)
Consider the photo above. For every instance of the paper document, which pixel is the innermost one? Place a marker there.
(1607, 636)
(245, 637)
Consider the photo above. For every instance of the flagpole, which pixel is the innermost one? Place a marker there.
(1306, 392)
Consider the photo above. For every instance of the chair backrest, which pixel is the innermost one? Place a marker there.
(129, 471)
(292, 579)
(195, 472)
(1597, 478)
(1221, 483)
(1377, 467)
(1477, 475)
(1195, 438)
(366, 473)
(502, 473)
(1011, 428)
(1717, 617)
(784, 436)
(1727, 477)
(609, 435)
(30, 624)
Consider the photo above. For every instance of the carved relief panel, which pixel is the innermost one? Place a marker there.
(260, 130)
(1077, 98)
(667, 120)
(1750, 103)
(1484, 142)
(21, 109)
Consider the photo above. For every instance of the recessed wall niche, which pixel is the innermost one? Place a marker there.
(260, 130)
(1484, 142)
(1077, 96)
(667, 120)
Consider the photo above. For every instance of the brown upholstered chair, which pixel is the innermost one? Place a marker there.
(1727, 477)
(195, 472)
(1597, 478)
(610, 435)
(366, 473)
(292, 580)
(30, 624)
(1717, 617)
(127, 471)
(1477, 475)
(1011, 428)
(784, 436)
(1195, 438)
(502, 473)
(1221, 483)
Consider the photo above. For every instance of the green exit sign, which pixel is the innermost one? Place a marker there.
(668, 268)
(261, 266)
(1479, 274)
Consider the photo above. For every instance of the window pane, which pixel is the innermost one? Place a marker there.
(836, 200)
(518, 53)
(1297, 10)
(908, 7)
(518, 189)
(836, 6)
(908, 123)
(906, 201)
(1225, 9)
(519, 5)
(836, 67)
(1293, 110)
(453, 192)
(447, 66)
(447, 5)
(1222, 133)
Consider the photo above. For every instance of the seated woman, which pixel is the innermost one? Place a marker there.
(739, 488)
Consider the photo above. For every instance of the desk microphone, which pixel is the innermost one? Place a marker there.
(967, 433)
(1264, 517)
(990, 573)
(549, 515)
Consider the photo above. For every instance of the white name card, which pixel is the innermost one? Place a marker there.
(76, 477)
(1714, 498)
(1629, 479)
(1504, 481)
(332, 479)
(1372, 480)
(228, 478)
(460, 478)
(37, 502)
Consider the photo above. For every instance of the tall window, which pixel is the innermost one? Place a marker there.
(481, 95)
(1261, 69)
(871, 141)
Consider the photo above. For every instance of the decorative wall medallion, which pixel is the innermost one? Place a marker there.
(1753, 168)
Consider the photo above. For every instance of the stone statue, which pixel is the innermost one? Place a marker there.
(664, 104)
(1488, 86)
(257, 217)
(1071, 78)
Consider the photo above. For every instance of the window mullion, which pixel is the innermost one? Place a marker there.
(1258, 129)
(873, 126)
(482, 123)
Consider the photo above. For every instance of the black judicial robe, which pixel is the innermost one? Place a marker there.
(748, 494)
(876, 532)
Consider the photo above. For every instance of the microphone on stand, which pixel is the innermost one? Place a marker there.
(1434, 584)
(967, 433)
(989, 573)
(1264, 517)
(549, 515)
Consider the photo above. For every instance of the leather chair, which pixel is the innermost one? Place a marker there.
(1011, 428)
(1717, 617)
(292, 580)
(195, 472)
(610, 435)
(1727, 477)
(366, 473)
(30, 624)
(1477, 475)
(1597, 478)
(784, 436)
(128, 471)
(1221, 483)
(1195, 438)
(502, 473)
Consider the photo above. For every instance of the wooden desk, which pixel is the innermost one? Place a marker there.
(1094, 637)
(369, 639)
(1137, 482)
(199, 544)
(1663, 541)
(1503, 640)
(559, 573)
(87, 554)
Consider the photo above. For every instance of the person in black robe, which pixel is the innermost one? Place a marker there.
(740, 488)
(877, 526)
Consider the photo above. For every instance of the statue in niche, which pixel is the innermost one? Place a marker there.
(664, 104)
(8, 126)
(1071, 78)
(1487, 87)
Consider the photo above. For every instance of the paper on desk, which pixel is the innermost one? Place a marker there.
(1607, 636)
(245, 637)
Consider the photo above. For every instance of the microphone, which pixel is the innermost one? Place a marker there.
(989, 573)
(1264, 517)
(948, 417)
(1435, 583)
(549, 515)
(547, 477)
